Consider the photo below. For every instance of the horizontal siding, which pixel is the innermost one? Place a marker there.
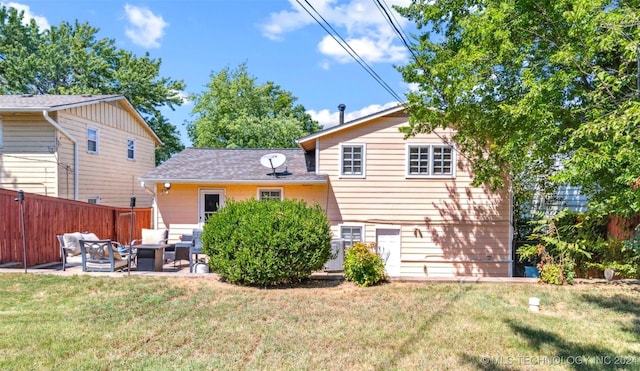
(27, 134)
(452, 269)
(109, 175)
(448, 227)
(35, 173)
(27, 160)
(180, 205)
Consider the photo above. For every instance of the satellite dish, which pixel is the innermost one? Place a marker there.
(272, 161)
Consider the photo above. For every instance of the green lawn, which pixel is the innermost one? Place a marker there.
(133, 322)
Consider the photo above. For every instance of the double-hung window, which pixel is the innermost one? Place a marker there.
(430, 160)
(352, 160)
(350, 234)
(269, 194)
(131, 149)
(92, 140)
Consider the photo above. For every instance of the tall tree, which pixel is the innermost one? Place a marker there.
(529, 82)
(236, 112)
(69, 59)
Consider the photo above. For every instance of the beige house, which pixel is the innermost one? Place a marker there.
(91, 148)
(412, 197)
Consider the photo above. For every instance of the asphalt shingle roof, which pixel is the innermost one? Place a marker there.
(209, 165)
(39, 102)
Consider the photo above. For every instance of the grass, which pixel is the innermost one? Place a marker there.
(195, 323)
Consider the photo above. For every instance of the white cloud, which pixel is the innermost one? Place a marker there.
(380, 50)
(183, 96)
(145, 28)
(325, 65)
(359, 22)
(42, 22)
(328, 119)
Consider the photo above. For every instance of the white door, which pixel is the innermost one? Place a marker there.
(388, 241)
(210, 201)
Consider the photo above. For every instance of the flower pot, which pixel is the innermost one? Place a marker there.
(608, 274)
(531, 271)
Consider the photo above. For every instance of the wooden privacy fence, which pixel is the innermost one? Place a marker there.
(45, 217)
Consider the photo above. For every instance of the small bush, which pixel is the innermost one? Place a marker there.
(267, 242)
(362, 265)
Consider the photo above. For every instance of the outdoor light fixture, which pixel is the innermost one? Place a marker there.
(167, 187)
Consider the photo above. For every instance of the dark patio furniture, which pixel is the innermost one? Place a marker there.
(101, 256)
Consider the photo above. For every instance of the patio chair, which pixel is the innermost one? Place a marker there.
(100, 255)
(196, 248)
(179, 251)
(70, 251)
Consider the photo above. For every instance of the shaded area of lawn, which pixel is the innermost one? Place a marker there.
(137, 322)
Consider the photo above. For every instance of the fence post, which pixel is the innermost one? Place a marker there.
(20, 200)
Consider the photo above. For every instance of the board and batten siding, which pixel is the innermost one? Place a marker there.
(108, 175)
(447, 227)
(28, 161)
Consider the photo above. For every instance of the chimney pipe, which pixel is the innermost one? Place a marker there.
(341, 108)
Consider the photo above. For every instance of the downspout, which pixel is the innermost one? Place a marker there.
(76, 181)
(154, 204)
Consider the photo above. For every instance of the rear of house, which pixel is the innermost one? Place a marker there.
(413, 198)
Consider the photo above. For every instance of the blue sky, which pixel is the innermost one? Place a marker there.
(278, 40)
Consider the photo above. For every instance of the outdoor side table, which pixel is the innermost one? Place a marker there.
(150, 257)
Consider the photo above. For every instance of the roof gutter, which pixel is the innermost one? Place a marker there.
(76, 181)
(230, 182)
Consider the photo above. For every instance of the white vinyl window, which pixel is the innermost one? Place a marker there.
(92, 140)
(430, 160)
(1, 130)
(131, 149)
(269, 194)
(351, 234)
(352, 160)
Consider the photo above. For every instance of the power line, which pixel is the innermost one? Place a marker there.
(345, 45)
(391, 20)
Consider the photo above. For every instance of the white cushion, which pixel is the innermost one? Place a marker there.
(72, 241)
(154, 236)
(90, 237)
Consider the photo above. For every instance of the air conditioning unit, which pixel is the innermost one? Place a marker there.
(337, 253)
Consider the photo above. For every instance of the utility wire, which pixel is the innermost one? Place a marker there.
(345, 45)
(391, 20)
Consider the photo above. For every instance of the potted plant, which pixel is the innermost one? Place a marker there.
(528, 255)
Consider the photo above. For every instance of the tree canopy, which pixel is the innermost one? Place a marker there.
(237, 112)
(527, 83)
(70, 59)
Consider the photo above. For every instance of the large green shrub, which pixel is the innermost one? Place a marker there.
(362, 265)
(267, 242)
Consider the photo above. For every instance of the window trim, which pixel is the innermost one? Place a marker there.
(97, 140)
(132, 141)
(352, 225)
(269, 189)
(1, 132)
(430, 175)
(341, 161)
